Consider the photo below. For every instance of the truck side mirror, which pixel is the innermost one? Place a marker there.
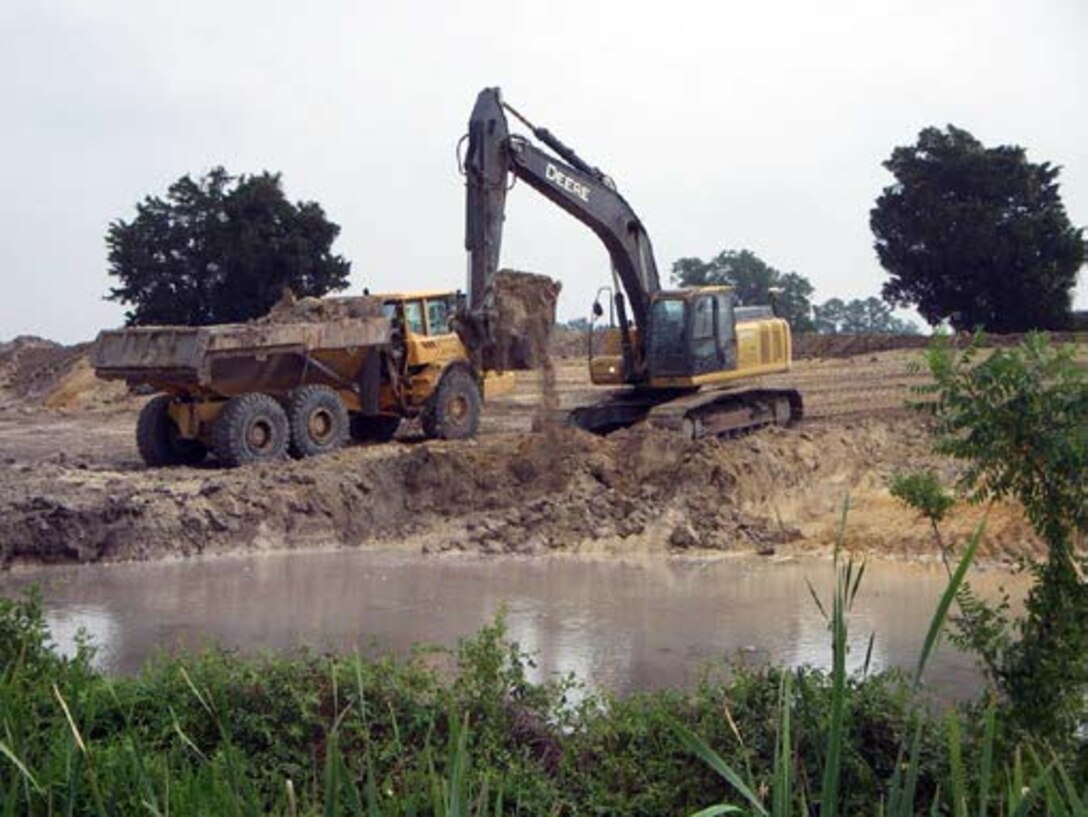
(598, 310)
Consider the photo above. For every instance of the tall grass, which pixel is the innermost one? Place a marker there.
(1022, 787)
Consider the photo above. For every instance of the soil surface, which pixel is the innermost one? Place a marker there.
(72, 486)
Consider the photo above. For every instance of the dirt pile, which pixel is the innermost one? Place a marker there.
(812, 345)
(36, 373)
(30, 366)
(292, 309)
(636, 491)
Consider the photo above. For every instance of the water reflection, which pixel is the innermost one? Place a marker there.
(621, 625)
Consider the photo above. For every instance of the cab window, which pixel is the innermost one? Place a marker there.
(703, 324)
(438, 312)
(667, 325)
(413, 317)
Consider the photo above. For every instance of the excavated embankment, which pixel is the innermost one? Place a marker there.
(561, 490)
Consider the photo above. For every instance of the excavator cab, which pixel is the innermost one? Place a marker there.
(700, 337)
(691, 333)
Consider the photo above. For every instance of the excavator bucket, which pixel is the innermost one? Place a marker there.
(523, 317)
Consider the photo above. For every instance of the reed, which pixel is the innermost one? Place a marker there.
(1025, 785)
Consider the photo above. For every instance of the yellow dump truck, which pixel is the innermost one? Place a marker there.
(301, 380)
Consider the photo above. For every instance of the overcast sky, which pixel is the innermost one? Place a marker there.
(757, 125)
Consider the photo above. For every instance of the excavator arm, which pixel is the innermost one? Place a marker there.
(564, 179)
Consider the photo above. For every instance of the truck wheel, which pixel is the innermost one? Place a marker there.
(378, 429)
(158, 440)
(251, 428)
(318, 421)
(453, 412)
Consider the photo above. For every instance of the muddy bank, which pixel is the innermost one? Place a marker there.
(636, 491)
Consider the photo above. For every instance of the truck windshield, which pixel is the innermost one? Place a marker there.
(438, 311)
(413, 317)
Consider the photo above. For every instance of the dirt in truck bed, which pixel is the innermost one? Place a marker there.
(292, 309)
(72, 487)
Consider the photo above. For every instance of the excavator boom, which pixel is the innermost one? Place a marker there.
(583, 191)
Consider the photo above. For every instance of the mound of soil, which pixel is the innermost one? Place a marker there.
(291, 309)
(812, 345)
(31, 366)
(37, 373)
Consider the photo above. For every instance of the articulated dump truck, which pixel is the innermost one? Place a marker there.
(301, 380)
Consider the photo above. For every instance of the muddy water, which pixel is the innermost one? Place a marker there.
(615, 624)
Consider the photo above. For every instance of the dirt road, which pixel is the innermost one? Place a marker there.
(72, 487)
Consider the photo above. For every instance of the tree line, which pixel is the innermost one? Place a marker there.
(970, 236)
(757, 282)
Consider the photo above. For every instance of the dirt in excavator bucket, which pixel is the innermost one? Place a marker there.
(525, 307)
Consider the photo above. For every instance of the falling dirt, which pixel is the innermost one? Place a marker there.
(524, 316)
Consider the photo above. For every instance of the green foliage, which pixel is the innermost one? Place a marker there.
(976, 236)
(309, 734)
(923, 491)
(915, 782)
(219, 250)
(1017, 420)
(859, 317)
(753, 280)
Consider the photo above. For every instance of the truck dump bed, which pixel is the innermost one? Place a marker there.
(327, 338)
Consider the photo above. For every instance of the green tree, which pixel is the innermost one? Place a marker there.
(977, 236)
(828, 316)
(1019, 422)
(753, 279)
(854, 318)
(871, 316)
(220, 249)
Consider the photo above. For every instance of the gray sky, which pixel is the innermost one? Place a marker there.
(725, 124)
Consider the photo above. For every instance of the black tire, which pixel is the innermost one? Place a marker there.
(251, 428)
(317, 419)
(453, 412)
(158, 440)
(379, 429)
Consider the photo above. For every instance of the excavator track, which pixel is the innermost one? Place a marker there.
(693, 414)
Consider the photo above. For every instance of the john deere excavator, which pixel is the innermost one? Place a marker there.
(668, 347)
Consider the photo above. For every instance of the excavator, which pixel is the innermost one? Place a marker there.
(679, 357)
